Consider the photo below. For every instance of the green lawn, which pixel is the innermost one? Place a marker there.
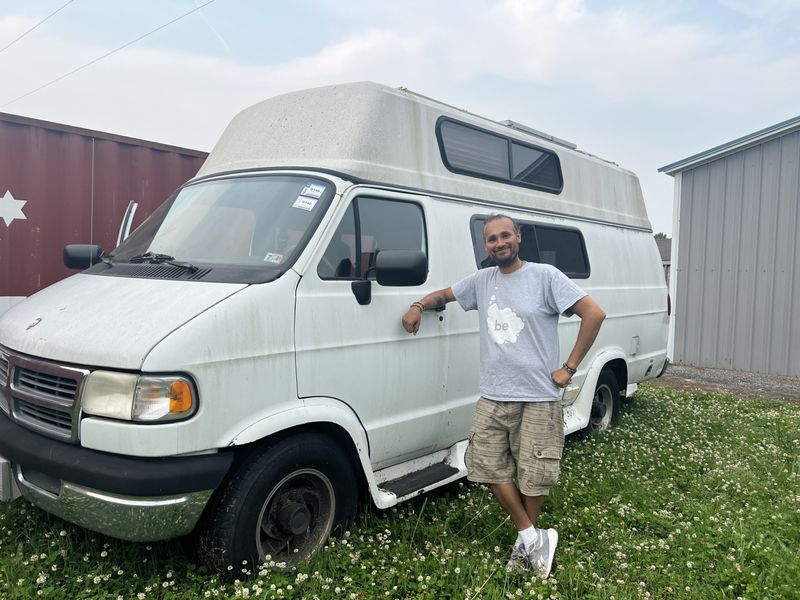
(692, 495)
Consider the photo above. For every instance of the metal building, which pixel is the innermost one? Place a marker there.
(735, 280)
(61, 184)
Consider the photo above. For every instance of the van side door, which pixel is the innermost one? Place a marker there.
(359, 353)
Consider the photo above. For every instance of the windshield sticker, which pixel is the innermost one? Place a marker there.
(313, 190)
(304, 203)
(273, 258)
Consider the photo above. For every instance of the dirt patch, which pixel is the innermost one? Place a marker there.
(733, 383)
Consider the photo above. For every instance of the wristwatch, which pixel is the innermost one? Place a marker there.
(569, 369)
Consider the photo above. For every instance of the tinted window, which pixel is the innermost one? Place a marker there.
(561, 247)
(380, 225)
(534, 166)
(475, 151)
(339, 259)
(471, 151)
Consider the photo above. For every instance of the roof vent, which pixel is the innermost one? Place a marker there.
(539, 134)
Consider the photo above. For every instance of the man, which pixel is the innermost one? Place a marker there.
(518, 425)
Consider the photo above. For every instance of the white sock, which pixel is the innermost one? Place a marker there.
(529, 537)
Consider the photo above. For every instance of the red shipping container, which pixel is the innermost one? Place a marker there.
(63, 185)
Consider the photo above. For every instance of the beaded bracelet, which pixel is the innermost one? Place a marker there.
(419, 305)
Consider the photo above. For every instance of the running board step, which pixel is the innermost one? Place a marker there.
(419, 479)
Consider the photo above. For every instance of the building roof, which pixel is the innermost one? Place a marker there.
(376, 134)
(664, 249)
(753, 139)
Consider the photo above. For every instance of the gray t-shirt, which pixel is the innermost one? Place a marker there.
(519, 328)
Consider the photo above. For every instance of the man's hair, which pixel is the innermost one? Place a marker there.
(497, 216)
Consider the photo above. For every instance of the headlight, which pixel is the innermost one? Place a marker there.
(138, 397)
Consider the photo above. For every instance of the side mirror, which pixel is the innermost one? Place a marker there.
(401, 267)
(81, 256)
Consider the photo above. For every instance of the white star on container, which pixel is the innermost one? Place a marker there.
(11, 209)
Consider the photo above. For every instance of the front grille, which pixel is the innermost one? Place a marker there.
(57, 422)
(43, 395)
(47, 385)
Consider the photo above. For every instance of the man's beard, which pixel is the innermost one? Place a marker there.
(506, 262)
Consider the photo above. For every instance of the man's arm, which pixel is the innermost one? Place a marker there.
(591, 318)
(413, 316)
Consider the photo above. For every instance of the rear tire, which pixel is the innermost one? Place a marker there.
(279, 506)
(605, 403)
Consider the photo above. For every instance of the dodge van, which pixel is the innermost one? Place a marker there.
(236, 368)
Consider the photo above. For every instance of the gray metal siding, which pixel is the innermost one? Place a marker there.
(737, 269)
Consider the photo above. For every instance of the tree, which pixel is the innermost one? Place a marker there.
(660, 236)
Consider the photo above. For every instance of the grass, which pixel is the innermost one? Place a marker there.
(692, 495)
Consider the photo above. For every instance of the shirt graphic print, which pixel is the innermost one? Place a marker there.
(503, 324)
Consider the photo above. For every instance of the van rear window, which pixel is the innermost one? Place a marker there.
(562, 247)
(469, 150)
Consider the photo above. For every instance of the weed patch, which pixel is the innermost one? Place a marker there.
(692, 495)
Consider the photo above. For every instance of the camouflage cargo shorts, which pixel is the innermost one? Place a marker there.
(522, 438)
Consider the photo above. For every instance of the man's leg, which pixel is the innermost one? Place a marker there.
(511, 501)
(533, 506)
(538, 462)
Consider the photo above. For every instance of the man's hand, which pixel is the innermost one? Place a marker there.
(413, 316)
(561, 377)
(411, 320)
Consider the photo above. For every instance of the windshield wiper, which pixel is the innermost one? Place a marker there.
(155, 257)
(106, 258)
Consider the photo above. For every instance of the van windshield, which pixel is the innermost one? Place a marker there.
(241, 222)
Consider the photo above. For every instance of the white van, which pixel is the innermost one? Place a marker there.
(237, 366)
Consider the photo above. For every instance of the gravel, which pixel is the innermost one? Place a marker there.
(734, 383)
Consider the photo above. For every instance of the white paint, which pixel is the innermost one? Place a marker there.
(7, 302)
(105, 321)
(11, 209)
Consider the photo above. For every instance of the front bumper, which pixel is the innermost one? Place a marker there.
(130, 518)
(8, 484)
(136, 499)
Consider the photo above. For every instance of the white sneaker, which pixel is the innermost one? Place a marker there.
(541, 557)
(519, 560)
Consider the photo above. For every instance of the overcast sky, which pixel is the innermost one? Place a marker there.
(641, 83)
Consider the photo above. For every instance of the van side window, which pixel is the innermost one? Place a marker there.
(470, 150)
(562, 247)
(339, 259)
(369, 226)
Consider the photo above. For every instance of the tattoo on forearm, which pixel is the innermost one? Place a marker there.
(440, 301)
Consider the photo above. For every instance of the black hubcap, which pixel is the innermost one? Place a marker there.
(294, 518)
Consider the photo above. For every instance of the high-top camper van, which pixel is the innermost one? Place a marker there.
(237, 367)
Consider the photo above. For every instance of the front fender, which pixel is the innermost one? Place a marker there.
(311, 410)
(577, 414)
(315, 410)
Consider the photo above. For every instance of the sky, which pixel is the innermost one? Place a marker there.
(640, 83)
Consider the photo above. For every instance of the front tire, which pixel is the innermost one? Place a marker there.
(279, 506)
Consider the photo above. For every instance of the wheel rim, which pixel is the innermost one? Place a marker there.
(602, 408)
(296, 518)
